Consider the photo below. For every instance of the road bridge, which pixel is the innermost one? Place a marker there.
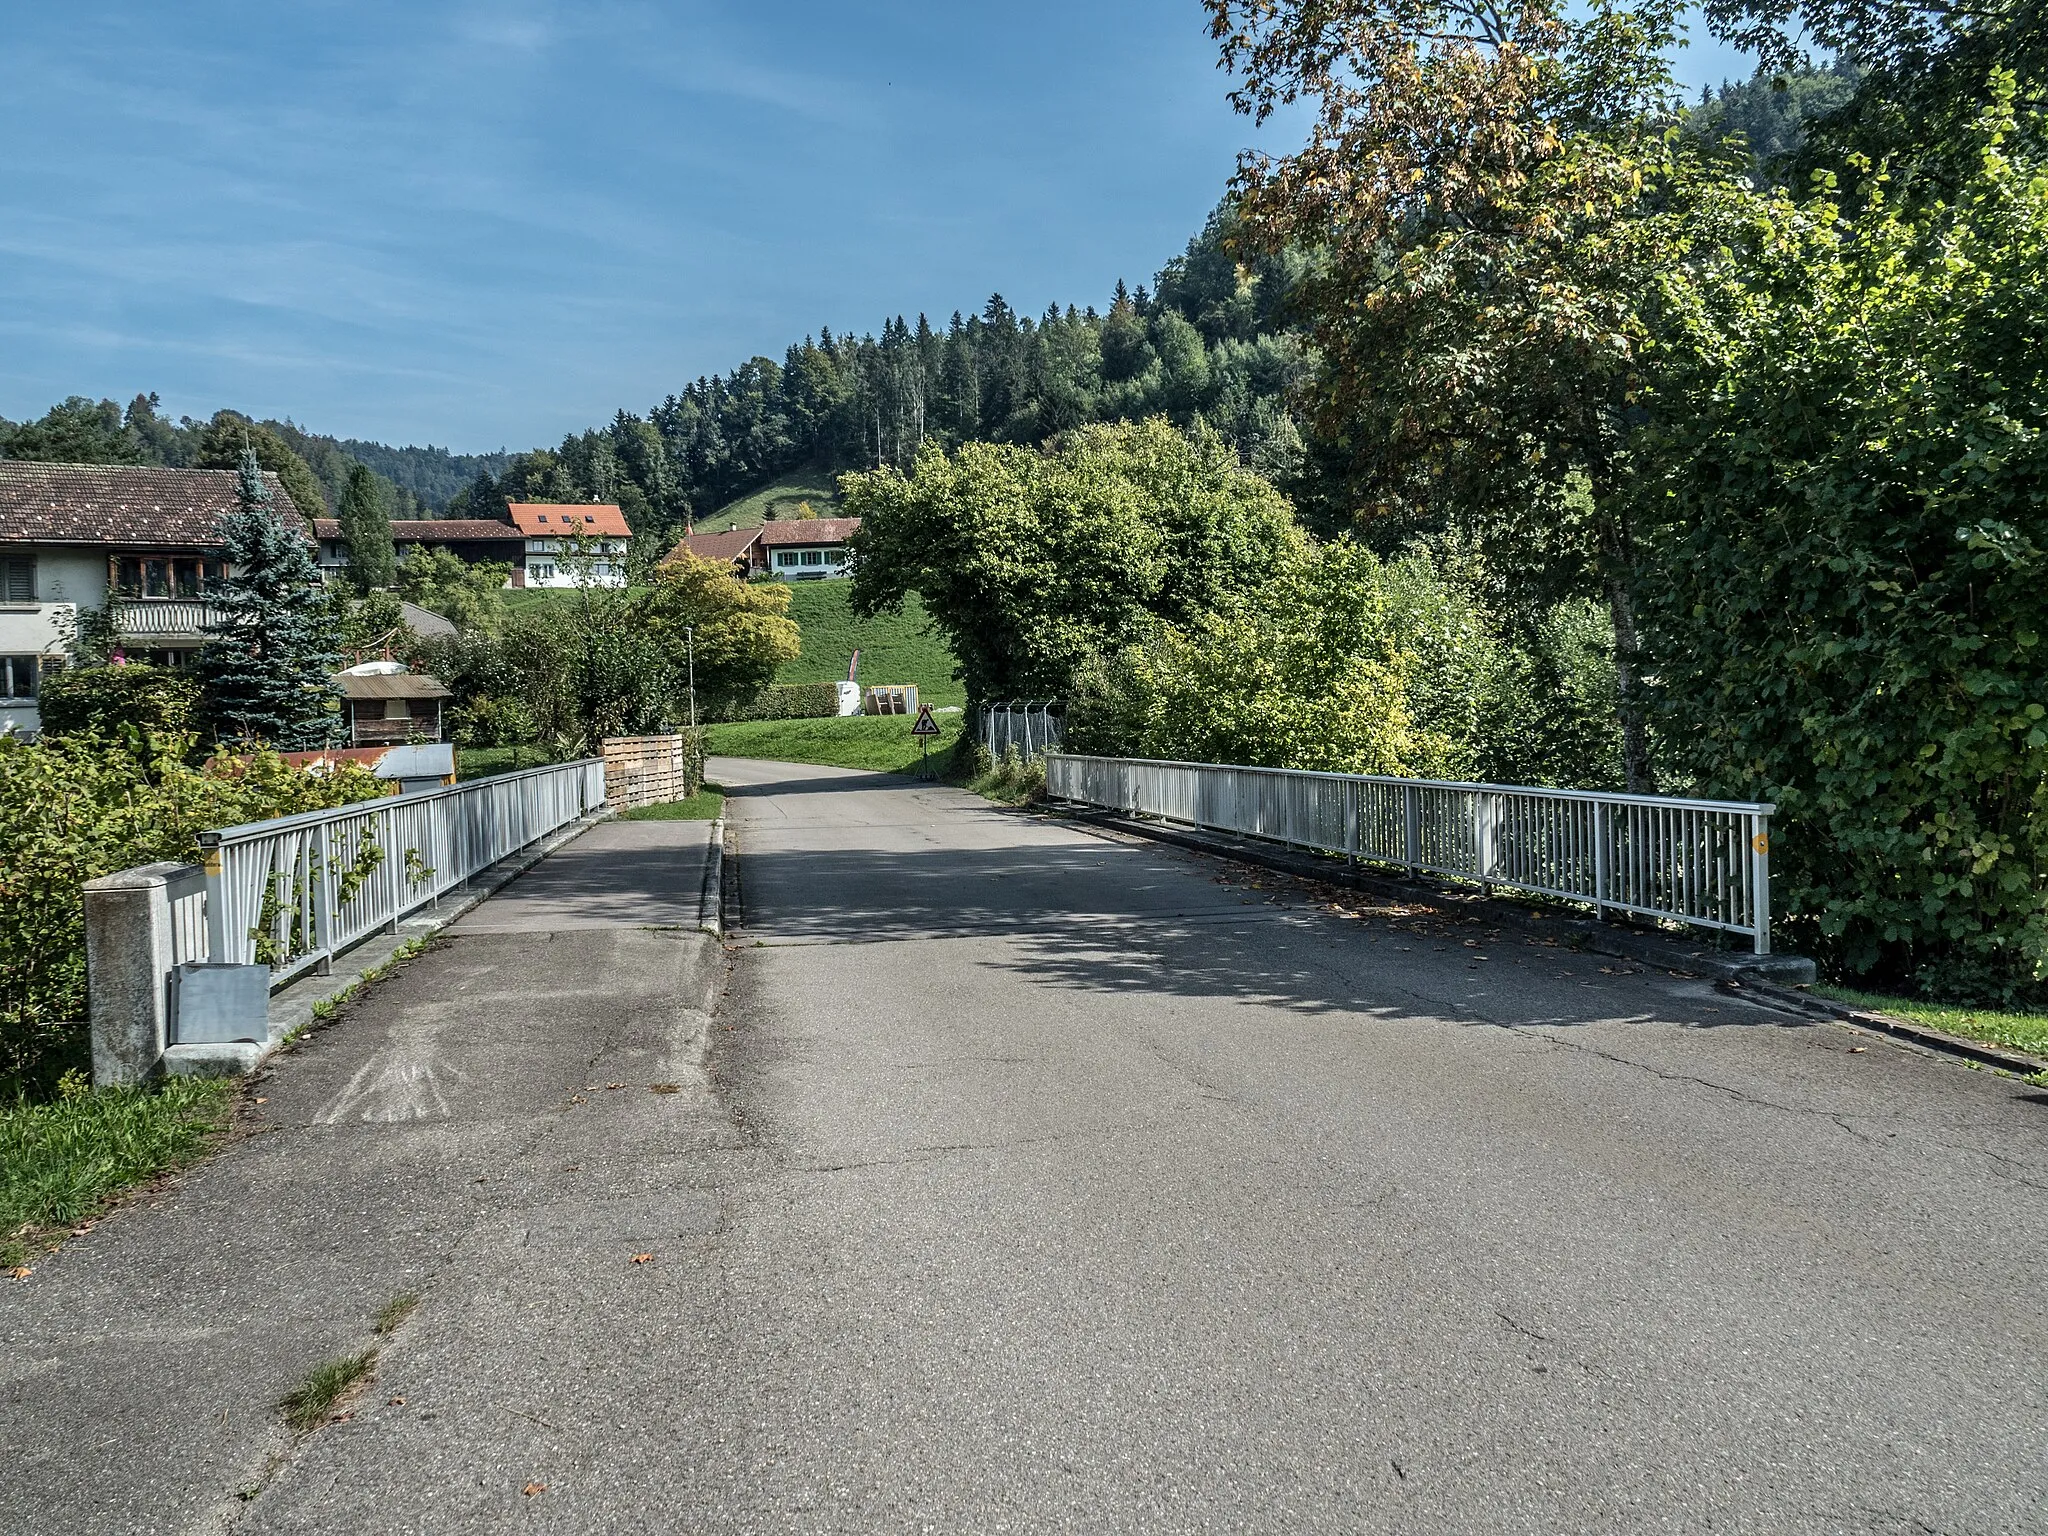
(1002, 1174)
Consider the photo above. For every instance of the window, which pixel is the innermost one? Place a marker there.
(165, 575)
(17, 677)
(784, 558)
(397, 709)
(17, 578)
(814, 557)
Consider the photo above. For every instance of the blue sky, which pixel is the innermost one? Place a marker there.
(483, 225)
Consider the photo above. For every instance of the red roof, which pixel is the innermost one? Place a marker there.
(542, 519)
(128, 506)
(729, 545)
(432, 530)
(810, 530)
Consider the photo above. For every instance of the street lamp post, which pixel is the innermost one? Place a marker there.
(690, 648)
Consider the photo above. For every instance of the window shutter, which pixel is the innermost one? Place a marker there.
(18, 579)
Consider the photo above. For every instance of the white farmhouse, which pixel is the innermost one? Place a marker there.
(572, 543)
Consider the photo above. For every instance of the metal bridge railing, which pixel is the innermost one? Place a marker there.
(1701, 862)
(294, 891)
(1033, 727)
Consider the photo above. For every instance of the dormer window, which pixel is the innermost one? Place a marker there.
(543, 517)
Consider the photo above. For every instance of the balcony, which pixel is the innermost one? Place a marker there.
(163, 620)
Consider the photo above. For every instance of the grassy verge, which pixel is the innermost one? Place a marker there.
(62, 1162)
(706, 805)
(1007, 780)
(881, 743)
(894, 647)
(2021, 1031)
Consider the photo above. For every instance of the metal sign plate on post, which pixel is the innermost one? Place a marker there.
(926, 725)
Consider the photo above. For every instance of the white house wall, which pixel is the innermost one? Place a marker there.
(72, 576)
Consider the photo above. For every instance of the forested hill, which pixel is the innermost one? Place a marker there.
(1210, 340)
(1207, 340)
(431, 475)
(416, 481)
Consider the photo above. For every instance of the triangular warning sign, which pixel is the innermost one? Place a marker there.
(926, 725)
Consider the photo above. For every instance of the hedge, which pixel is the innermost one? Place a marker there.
(787, 701)
(73, 810)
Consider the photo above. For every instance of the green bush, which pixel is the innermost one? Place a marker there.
(103, 701)
(1851, 611)
(73, 810)
(491, 721)
(787, 701)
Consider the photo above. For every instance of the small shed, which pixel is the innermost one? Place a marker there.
(389, 706)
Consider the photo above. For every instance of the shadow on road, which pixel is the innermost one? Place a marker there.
(856, 780)
(1108, 918)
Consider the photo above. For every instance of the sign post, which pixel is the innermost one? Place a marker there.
(924, 730)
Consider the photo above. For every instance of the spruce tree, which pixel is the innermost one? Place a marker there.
(265, 671)
(366, 526)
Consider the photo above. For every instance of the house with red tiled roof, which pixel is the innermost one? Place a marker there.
(572, 544)
(801, 549)
(547, 545)
(140, 538)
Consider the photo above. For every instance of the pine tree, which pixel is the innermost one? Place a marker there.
(366, 526)
(265, 670)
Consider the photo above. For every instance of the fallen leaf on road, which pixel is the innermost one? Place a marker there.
(263, 1101)
(642, 1258)
(19, 1272)
(532, 1488)
(665, 1087)
(1858, 1050)
(610, 1086)
(394, 1402)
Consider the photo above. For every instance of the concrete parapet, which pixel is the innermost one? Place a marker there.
(130, 948)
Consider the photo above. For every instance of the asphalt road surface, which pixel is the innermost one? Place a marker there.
(1005, 1176)
(1103, 1196)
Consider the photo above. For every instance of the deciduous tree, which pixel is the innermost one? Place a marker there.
(1486, 188)
(1030, 560)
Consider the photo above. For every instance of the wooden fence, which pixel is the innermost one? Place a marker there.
(651, 770)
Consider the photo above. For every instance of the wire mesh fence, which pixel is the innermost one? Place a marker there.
(1033, 727)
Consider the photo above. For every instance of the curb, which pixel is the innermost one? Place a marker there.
(1766, 977)
(711, 897)
(1982, 1052)
(292, 1006)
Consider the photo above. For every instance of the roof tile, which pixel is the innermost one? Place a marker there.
(127, 506)
(539, 519)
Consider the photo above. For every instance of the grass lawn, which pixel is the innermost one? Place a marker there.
(882, 743)
(516, 598)
(782, 497)
(894, 647)
(62, 1161)
(705, 805)
(2022, 1031)
(482, 762)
